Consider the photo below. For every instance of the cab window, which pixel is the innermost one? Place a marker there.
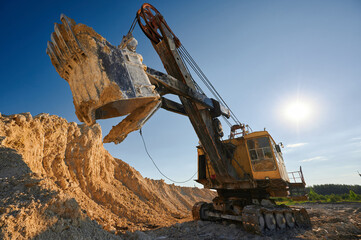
(261, 154)
(277, 154)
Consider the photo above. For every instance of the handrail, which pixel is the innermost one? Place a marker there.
(296, 176)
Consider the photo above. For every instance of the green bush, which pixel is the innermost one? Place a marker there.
(313, 196)
(333, 198)
(345, 196)
(353, 196)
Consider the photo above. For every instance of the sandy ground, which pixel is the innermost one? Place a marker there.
(329, 221)
(58, 182)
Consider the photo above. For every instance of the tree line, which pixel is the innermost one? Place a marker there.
(339, 189)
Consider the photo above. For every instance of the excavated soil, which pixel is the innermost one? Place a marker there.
(58, 182)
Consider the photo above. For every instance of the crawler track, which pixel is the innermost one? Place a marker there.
(258, 219)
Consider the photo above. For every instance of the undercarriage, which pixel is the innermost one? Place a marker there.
(259, 216)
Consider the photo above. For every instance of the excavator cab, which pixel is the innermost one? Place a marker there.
(265, 157)
(258, 161)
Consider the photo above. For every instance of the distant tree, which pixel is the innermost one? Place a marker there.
(334, 198)
(313, 196)
(328, 189)
(353, 196)
(345, 196)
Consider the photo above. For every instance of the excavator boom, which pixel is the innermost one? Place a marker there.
(108, 81)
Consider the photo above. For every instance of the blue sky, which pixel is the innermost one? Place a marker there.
(260, 55)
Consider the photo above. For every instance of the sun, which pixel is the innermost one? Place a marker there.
(298, 111)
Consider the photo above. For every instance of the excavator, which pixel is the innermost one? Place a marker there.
(247, 169)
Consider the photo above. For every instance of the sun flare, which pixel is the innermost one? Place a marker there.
(298, 111)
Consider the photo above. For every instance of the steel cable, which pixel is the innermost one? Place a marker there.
(195, 83)
(210, 86)
(133, 25)
(146, 150)
(206, 81)
(185, 59)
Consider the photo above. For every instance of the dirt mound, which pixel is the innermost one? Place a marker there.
(56, 179)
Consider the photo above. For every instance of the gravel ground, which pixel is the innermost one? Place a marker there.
(329, 221)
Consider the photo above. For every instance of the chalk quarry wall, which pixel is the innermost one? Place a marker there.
(57, 180)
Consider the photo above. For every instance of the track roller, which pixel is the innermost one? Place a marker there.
(302, 218)
(281, 221)
(290, 220)
(270, 221)
(252, 219)
(200, 211)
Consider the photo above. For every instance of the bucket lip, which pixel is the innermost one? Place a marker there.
(121, 107)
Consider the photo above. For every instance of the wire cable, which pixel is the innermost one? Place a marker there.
(185, 59)
(200, 76)
(195, 70)
(133, 25)
(194, 82)
(209, 84)
(206, 81)
(146, 150)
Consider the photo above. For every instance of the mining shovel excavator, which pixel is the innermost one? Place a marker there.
(246, 170)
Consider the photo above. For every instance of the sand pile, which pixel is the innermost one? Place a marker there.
(57, 180)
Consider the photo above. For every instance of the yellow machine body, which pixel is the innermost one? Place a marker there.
(257, 160)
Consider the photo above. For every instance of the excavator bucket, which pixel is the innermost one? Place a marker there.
(106, 81)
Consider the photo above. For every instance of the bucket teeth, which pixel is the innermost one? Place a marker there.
(55, 42)
(53, 56)
(68, 24)
(61, 40)
(64, 47)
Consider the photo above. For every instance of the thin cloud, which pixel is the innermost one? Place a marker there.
(358, 143)
(318, 158)
(295, 145)
(356, 138)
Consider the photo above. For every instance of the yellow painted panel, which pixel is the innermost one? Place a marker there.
(270, 174)
(241, 159)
